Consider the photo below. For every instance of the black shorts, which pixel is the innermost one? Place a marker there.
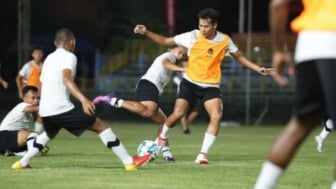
(146, 91)
(192, 93)
(75, 121)
(8, 141)
(315, 89)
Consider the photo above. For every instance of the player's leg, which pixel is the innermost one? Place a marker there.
(309, 105)
(111, 141)
(214, 109)
(327, 128)
(38, 126)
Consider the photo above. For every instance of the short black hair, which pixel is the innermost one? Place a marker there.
(64, 35)
(35, 48)
(209, 13)
(28, 88)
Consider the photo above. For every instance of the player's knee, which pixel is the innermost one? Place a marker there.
(216, 116)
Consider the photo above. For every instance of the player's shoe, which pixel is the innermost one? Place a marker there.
(201, 158)
(105, 99)
(319, 143)
(17, 165)
(138, 161)
(167, 155)
(44, 150)
(187, 131)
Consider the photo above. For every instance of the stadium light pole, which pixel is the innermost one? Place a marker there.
(23, 11)
(248, 72)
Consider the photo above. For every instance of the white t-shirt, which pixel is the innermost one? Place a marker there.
(157, 73)
(16, 119)
(312, 45)
(55, 98)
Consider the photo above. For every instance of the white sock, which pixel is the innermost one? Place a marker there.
(324, 133)
(165, 131)
(207, 142)
(166, 152)
(333, 186)
(41, 139)
(38, 127)
(269, 176)
(107, 136)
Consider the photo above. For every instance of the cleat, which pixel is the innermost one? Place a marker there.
(169, 158)
(187, 131)
(138, 161)
(44, 150)
(104, 99)
(201, 158)
(9, 153)
(17, 165)
(320, 145)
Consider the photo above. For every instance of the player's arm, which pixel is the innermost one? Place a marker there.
(247, 63)
(19, 83)
(3, 83)
(171, 66)
(160, 39)
(87, 105)
(31, 109)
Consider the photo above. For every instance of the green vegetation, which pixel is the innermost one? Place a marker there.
(235, 162)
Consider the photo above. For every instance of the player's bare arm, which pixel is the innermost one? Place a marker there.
(247, 63)
(171, 66)
(160, 39)
(87, 105)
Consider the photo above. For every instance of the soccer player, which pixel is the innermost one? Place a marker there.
(15, 136)
(206, 50)
(57, 111)
(326, 130)
(149, 88)
(315, 59)
(30, 75)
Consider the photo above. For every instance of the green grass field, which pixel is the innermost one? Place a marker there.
(235, 161)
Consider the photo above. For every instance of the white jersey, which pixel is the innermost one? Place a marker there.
(55, 98)
(157, 73)
(16, 119)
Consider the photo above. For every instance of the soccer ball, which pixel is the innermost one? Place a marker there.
(148, 146)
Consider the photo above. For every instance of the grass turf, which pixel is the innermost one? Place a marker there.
(235, 161)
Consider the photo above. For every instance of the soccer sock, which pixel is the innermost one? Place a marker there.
(111, 141)
(269, 176)
(324, 133)
(40, 141)
(116, 102)
(166, 152)
(38, 127)
(333, 186)
(165, 131)
(207, 142)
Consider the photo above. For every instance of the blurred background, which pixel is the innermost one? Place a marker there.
(112, 58)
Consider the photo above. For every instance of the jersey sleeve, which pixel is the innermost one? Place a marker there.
(231, 47)
(186, 39)
(25, 70)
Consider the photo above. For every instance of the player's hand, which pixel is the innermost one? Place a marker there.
(88, 107)
(282, 64)
(140, 29)
(266, 71)
(4, 84)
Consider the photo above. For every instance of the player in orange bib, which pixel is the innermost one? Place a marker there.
(206, 50)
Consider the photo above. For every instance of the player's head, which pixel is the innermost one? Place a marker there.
(208, 21)
(179, 52)
(37, 53)
(65, 38)
(30, 95)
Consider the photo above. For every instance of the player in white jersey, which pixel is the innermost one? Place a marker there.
(149, 88)
(57, 111)
(15, 135)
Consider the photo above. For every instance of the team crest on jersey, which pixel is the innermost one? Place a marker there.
(210, 52)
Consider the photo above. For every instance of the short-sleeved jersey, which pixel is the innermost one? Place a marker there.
(205, 56)
(17, 119)
(157, 73)
(31, 73)
(55, 98)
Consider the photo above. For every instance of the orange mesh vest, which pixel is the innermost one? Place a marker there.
(34, 77)
(205, 58)
(317, 15)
